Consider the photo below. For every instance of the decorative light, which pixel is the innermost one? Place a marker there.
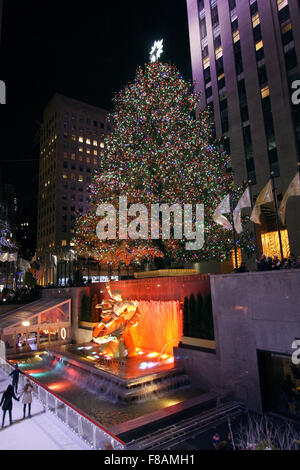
(157, 50)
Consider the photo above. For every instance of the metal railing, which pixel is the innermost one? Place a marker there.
(87, 429)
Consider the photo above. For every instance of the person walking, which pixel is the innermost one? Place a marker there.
(7, 403)
(15, 377)
(27, 397)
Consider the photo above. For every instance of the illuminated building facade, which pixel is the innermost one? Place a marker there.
(72, 139)
(245, 58)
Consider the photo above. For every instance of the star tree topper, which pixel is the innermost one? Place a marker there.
(157, 50)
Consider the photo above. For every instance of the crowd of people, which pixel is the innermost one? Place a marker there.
(11, 393)
(19, 295)
(274, 264)
(269, 263)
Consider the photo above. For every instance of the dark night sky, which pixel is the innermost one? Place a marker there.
(87, 51)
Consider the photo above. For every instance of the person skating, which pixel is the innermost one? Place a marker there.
(15, 377)
(7, 403)
(27, 397)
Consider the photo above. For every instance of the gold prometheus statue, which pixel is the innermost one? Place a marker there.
(117, 317)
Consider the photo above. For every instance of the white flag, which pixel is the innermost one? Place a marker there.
(13, 257)
(244, 202)
(223, 208)
(265, 196)
(24, 265)
(293, 190)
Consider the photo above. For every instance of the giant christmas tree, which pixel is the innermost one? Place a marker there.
(158, 152)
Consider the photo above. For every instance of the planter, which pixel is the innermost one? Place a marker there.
(87, 325)
(199, 343)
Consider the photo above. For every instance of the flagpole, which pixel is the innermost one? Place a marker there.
(254, 226)
(234, 236)
(276, 212)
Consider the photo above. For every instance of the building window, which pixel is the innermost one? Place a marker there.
(203, 33)
(219, 52)
(255, 20)
(206, 62)
(281, 4)
(265, 92)
(201, 5)
(259, 45)
(236, 36)
(214, 16)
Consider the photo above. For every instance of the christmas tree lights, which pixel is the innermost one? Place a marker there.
(158, 152)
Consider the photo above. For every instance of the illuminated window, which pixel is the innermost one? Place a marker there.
(236, 36)
(255, 20)
(64, 243)
(88, 141)
(80, 179)
(239, 259)
(219, 52)
(206, 62)
(259, 45)
(271, 245)
(281, 4)
(221, 76)
(81, 158)
(73, 157)
(95, 143)
(74, 137)
(285, 29)
(80, 149)
(265, 92)
(95, 153)
(73, 177)
(95, 161)
(88, 160)
(102, 145)
(65, 176)
(80, 139)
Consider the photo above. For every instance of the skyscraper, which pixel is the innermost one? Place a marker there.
(1, 12)
(245, 58)
(72, 139)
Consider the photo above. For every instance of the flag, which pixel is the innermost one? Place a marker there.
(10, 257)
(39, 274)
(265, 196)
(293, 190)
(223, 208)
(24, 265)
(244, 202)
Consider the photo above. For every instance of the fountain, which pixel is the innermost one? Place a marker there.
(131, 355)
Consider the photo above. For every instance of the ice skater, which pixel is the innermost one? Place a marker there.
(27, 397)
(15, 377)
(7, 403)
